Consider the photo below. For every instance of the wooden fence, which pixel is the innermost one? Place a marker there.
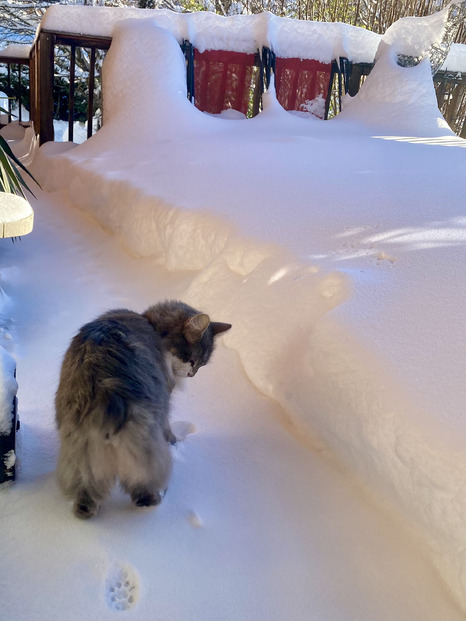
(346, 77)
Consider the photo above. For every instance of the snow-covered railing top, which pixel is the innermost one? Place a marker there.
(456, 59)
(288, 38)
(19, 53)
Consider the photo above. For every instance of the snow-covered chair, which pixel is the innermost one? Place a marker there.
(222, 80)
(302, 84)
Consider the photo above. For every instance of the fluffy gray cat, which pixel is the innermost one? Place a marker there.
(112, 402)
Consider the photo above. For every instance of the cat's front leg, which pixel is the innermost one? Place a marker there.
(85, 506)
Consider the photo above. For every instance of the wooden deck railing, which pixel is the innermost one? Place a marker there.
(451, 98)
(42, 63)
(450, 87)
(21, 66)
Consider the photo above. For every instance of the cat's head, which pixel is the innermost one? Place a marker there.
(188, 335)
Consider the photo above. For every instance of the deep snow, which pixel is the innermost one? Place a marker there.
(326, 244)
(256, 523)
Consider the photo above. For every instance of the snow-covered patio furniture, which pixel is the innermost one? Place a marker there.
(303, 84)
(16, 215)
(226, 79)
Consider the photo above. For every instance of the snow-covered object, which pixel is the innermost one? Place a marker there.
(8, 388)
(402, 97)
(456, 59)
(372, 197)
(414, 36)
(289, 38)
(16, 50)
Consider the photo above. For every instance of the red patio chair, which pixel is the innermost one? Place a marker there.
(225, 80)
(303, 84)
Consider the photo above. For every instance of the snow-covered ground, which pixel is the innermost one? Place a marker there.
(335, 249)
(256, 524)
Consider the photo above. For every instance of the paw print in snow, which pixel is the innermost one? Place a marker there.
(121, 588)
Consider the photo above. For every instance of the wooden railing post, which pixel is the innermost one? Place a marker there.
(33, 89)
(45, 79)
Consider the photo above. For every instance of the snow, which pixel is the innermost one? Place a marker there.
(8, 388)
(456, 59)
(255, 524)
(414, 36)
(16, 50)
(333, 249)
(9, 459)
(289, 38)
(241, 33)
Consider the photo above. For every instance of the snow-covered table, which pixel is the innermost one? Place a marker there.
(16, 215)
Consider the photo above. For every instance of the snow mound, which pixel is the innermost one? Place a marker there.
(402, 99)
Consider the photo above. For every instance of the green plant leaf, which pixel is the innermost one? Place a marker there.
(10, 176)
(3, 111)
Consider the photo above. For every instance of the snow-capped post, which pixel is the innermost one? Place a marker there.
(9, 422)
(454, 14)
(439, 51)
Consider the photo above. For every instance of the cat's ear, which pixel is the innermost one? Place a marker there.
(195, 326)
(218, 327)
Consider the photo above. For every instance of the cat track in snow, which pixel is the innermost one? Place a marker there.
(121, 588)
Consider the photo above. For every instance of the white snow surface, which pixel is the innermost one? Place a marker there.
(16, 50)
(256, 523)
(335, 249)
(456, 59)
(8, 388)
(414, 36)
(288, 38)
(362, 215)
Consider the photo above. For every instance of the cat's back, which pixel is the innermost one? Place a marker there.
(119, 349)
(121, 328)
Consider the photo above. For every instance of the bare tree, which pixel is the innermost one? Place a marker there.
(19, 20)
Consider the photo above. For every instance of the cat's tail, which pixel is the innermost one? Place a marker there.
(112, 407)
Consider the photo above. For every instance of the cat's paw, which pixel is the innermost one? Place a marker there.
(146, 499)
(85, 508)
(170, 437)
